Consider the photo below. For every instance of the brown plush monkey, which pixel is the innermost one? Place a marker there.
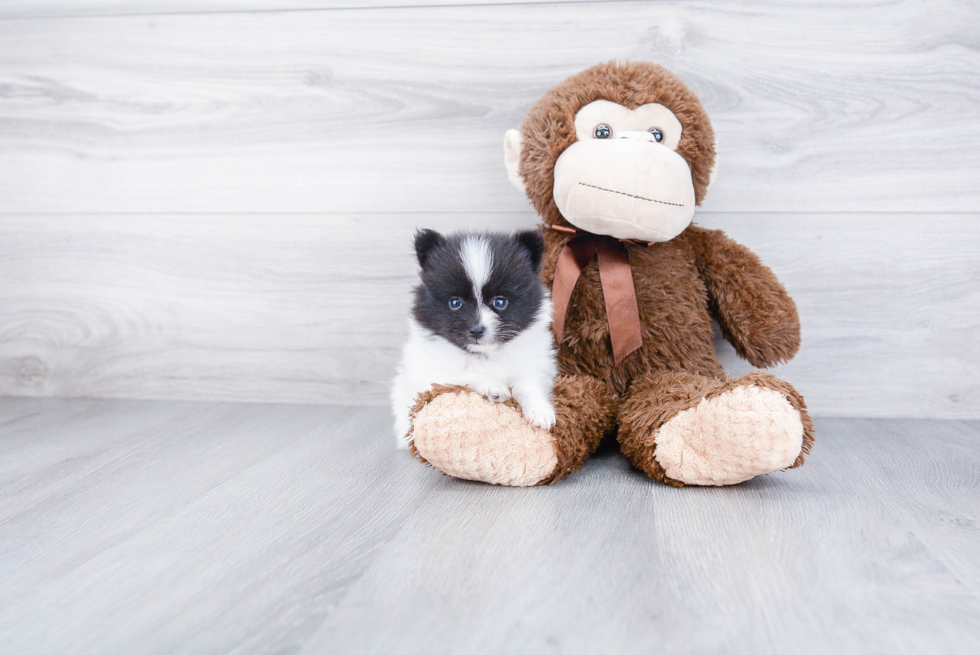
(614, 160)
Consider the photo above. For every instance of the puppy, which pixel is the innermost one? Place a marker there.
(481, 319)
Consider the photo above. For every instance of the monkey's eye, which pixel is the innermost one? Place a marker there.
(602, 131)
(657, 133)
(499, 302)
(455, 303)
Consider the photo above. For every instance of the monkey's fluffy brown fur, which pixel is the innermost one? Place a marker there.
(680, 285)
(549, 127)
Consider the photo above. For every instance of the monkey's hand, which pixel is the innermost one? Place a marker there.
(754, 311)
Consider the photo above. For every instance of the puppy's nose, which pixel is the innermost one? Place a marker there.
(477, 331)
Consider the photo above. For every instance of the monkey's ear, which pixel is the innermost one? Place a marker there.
(512, 158)
(425, 241)
(533, 242)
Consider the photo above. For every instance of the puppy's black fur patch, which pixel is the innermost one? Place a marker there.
(425, 241)
(513, 275)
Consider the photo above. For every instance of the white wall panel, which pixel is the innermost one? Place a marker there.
(312, 309)
(818, 106)
(216, 201)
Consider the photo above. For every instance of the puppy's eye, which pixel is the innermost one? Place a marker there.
(602, 131)
(657, 133)
(455, 303)
(499, 302)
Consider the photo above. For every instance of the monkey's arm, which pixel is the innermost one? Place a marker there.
(754, 311)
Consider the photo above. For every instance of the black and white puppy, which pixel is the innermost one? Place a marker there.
(481, 319)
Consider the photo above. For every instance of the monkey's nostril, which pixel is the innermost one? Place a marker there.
(477, 331)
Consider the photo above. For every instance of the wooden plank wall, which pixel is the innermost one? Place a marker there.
(215, 199)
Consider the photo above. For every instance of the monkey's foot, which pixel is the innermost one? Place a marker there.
(466, 436)
(684, 429)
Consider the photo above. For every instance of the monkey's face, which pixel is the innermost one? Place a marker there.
(624, 150)
(623, 176)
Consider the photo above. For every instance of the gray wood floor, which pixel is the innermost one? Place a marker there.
(149, 526)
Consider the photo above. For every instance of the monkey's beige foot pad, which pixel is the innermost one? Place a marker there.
(730, 438)
(466, 436)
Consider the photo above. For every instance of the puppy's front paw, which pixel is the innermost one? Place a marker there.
(494, 392)
(540, 415)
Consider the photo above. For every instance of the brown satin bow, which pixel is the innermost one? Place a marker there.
(618, 291)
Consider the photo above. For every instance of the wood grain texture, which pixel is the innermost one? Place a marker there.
(296, 308)
(261, 528)
(841, 556)
(225, 528)
(215, 201)
(19, 9)
(312, 309)
(867, 106)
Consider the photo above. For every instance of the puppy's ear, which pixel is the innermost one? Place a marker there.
(425, 241)
(533, 242)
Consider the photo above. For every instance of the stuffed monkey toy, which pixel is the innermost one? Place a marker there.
(614, 160)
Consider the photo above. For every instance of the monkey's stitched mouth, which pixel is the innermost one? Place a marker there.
(630, 195)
